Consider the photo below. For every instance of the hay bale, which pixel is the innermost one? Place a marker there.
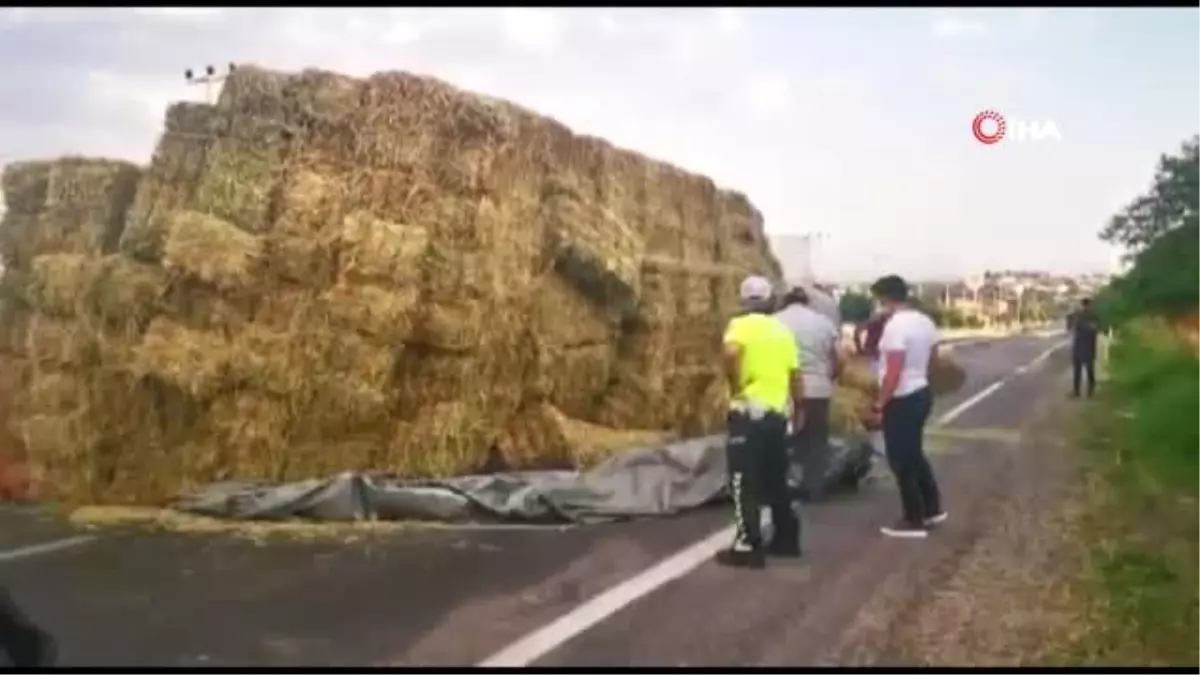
(946, 376)
(593, 249)
(53, 344)
(25, 186)
(69, 205)
(60, 283)
(379, 251)
(82, 182)
(17, 232)
(451, 438)
(195, 362)
(383, 315)
(211, 250)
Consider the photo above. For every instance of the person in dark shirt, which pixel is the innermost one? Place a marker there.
(1084, 328)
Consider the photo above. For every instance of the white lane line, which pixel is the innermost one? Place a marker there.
(966, 405)
(540, 642)
(48, 547)
(556, 633)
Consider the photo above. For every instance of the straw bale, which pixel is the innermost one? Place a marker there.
(199, 306)
(250, 435)
(328, 109)
(54, 343)
(305, 261)
(375, 250)
(375, 312)
(148, 221)
(946, 376)
(198, 363)
(454, 325)
(52, 393)
(17, 239)
(564, 317)
(577, 378)
(592, 248)
(170, 182)
(25, 186)
(60, 283)
(313, 201)
(252, 97)
(447, 439)
(238, 183)
(212, 250)
(81, 182)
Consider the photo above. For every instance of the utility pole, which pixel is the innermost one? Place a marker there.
(209, 78)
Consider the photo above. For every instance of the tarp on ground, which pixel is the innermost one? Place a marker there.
(651, 482)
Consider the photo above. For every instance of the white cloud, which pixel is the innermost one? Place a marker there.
(536, 30)
(956, 27)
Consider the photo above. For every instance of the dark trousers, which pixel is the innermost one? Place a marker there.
(1080, 364)
(811, 444)
(756, 452)
(25, 645)
(904, 420)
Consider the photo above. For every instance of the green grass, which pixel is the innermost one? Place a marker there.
(1140, 521)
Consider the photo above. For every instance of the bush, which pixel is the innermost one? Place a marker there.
(1155, 380)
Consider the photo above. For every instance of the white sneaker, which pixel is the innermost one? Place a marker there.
(936, 520)
(905, 530)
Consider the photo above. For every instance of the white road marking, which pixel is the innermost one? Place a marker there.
(966, 405)
(556, 633)
(48, 547)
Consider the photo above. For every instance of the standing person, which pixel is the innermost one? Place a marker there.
(1084, 327)
(907, 346)
(816, 340)
(763, 370)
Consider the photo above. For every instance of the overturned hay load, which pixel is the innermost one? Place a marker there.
(321, 273)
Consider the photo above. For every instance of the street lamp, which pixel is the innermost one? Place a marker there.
(208, 79)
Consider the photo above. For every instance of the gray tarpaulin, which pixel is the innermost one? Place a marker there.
(652, 482)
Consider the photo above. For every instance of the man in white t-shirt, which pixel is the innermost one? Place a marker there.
(903, 405)
(817, 339)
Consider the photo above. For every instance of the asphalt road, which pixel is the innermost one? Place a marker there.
(442, 596)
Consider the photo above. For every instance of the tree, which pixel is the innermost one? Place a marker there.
(855, 307)
(1161, 231)
(1170, 203)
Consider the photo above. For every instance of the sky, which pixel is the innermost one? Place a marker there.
(851, 127)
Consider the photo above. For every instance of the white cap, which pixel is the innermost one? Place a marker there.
(755, 288)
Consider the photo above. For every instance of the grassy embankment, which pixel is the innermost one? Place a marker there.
(1139, 522)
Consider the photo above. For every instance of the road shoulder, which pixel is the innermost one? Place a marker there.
(1001, 596)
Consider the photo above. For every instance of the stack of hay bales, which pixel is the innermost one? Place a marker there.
(320, 273)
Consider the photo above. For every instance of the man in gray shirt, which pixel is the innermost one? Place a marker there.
(817, 339)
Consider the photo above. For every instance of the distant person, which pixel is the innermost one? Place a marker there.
(763, 369)
(817, 341)
(907, 346)
(24, 644)
(1084, 328)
